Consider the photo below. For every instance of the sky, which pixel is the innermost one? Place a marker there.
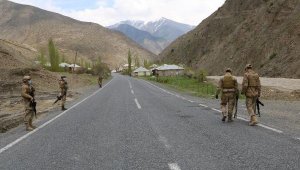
(109, 12)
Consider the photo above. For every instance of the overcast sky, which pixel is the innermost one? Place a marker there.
(108, 12)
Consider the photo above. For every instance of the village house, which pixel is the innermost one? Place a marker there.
(141, 71)
(168, 70)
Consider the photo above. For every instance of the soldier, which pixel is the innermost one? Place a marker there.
(28, 97)
(252, 90)
(64, 88)
(229, 87)
(100, 78)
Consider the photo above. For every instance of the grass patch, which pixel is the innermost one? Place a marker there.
(190, 85)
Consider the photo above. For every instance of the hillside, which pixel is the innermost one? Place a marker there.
(33, 26)
(265, 33)
(162, 31)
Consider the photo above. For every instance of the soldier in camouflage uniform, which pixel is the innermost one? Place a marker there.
(28, 96)
(100, 79)
(252, 90)
(228, 86)
(64, 88)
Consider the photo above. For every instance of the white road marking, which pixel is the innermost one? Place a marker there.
(174, 166)
(132, 91)
(48, 122)
(137, 103)
(262, 125)
(216, 110)
(130, 84)
(203, 105)
(241, 118)
(164, 141)
(267, 127)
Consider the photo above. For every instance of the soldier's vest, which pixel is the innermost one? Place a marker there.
(253, 79)
(228, 82)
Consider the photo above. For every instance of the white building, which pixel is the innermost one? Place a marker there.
(141, 71)
(169, 70)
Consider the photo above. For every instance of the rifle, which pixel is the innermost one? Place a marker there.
(58, 98)
(237, 96)
(33, 103)
(33, 106)
(258, 102)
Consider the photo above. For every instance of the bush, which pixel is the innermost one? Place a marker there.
(201, 75)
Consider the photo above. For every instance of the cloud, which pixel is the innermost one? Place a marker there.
(108, 12)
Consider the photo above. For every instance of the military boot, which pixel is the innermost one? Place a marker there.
(63, 108)
(31, 125)
(224, 118)
(253, 121)
(28, 128)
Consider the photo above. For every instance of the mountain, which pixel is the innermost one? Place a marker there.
(34, 26)
(144, 38)
(265, 33)
(163, 32)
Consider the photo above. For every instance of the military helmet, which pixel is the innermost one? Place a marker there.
(248, 66)
(26, 78)
(228, 70)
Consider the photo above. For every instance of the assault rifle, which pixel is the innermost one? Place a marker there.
(258, 103)
(59, 97)
(237, 96)
(33, 103)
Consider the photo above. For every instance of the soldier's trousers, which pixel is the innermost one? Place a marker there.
(63, 100)
(28, 117)
(227, 102)
(251, 105)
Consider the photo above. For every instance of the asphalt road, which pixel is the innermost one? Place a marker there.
(131, 124)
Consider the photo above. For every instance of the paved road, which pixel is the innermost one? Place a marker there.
(131, 124)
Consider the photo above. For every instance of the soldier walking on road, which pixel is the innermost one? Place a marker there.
(28, 97)
(252, 90)
(64, 88)
(100, 79)
(229, 87)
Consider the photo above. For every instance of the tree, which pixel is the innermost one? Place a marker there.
(136, 61)
(54, 56)
(129, 62)
(146, 64)
(100, 68)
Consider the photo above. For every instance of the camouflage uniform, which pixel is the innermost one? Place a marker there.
(229, 87)
(64, 88)
(252, 90)
(28, 95)
(100, 78)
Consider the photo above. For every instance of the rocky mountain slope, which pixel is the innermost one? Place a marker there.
(265, 33)
(163, 32)
(33, 26)
(144, 38)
